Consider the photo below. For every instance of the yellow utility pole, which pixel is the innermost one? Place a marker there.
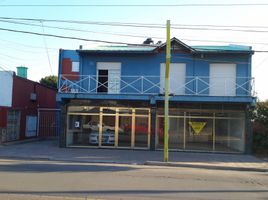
(167, 93)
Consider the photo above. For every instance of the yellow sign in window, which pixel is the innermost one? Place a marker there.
(197, 126)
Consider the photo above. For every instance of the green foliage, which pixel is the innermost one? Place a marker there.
(50, 81)
(260, 127)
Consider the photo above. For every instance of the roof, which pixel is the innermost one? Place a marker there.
(229, 48)
(122, 49)
(152, 49)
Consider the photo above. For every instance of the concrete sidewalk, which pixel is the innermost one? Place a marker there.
(49, 150)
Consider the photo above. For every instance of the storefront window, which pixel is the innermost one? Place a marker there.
(141, 132)
(83, 109)
(229, 135)
(108, 131)
(176, 132)
(199, 134)
(124, 131)
(83, 130)
(203, 131)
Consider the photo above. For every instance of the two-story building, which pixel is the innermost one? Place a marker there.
(112, 96)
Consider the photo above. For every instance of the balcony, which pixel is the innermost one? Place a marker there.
(154, 85)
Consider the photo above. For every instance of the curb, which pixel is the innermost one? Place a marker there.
(47, 158)
(214, 167)
(20, 141)
(148, 163)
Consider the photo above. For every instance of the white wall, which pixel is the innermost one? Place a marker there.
(6, 85)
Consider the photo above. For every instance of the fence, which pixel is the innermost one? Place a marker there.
(48, 123)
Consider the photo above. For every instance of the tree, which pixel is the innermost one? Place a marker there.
(260, 127)
(50, 81)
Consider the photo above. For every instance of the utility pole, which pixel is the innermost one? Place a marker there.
(166, 127)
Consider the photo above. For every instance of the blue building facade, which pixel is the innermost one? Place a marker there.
(112, 96)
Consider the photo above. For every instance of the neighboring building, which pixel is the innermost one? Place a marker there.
(113, 96)
(20, 100)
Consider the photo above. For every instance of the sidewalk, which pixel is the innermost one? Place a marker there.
(49, 150)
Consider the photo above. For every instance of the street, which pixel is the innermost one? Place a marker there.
(32, 179)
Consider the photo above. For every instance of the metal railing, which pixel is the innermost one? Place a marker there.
(190, 85)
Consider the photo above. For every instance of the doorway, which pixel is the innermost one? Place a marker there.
(108, 77)
(102, 81)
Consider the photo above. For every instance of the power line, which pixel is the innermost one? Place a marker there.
(83, 39)
(129, 23)
(141, 25)
(26, 45)
(219, 26)
(68, 37)
(45, 43)
(135, 5)
(127, 35)
(80, 30)
(7, 71)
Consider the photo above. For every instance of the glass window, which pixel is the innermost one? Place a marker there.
(199, 134)
(75, 66)
(141, 131)
(124, 131)
(176, 132)
(229, 135)
(108, 131)
(83, 130)
(83, 109)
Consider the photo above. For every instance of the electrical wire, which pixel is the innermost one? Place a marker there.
(129, 35)
(90, 40)
(69, 37)
(109, 33)
(137, 5)
(27, 45)
(7, 71)
(140, 25)
(81, 30)
(45, 44)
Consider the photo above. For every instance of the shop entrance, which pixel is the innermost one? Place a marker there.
(108, 127)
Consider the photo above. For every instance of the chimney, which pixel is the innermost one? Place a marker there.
(22, 71)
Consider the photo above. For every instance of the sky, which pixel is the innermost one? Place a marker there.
(40, 53)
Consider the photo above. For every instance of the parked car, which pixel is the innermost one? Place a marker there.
(107, 138)
(94, 126)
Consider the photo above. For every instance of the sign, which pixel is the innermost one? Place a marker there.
(197, 126)
(77, 124)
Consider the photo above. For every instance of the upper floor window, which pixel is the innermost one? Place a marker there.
(177, 73)
(75, 66)
(222, 79)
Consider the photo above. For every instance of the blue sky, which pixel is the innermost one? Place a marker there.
(21, 49)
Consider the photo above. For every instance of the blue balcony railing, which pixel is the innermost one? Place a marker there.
(153, 85)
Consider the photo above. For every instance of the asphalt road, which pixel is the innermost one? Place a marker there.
(22, 179)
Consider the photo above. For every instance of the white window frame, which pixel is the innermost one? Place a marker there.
(75, 66)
